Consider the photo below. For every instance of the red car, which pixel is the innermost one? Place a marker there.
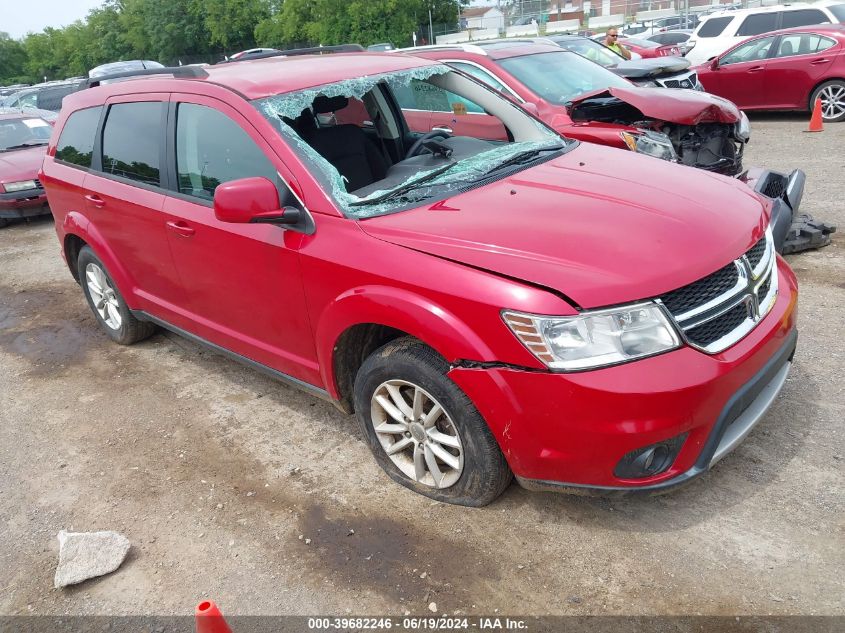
(648, 49)
(783, 70)
(575, 315)
(23, 143)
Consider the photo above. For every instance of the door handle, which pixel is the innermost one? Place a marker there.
(180, 228)
(96, 200)
(816, 62)
(755, 69)
(441, 128)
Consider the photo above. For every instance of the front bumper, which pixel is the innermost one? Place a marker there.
(785, 192)
(23, 204)
(569, 431)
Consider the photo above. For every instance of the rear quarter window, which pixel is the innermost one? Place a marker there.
(803, 17)
(76, 142)
(713, 27)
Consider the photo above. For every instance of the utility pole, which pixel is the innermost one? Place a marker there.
(430, 28)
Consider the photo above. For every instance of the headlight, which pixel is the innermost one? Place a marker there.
(597, 338)
(650, 143)
(21, 185)
(743, 127)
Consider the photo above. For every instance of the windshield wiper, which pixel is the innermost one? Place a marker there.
(400, 191)
(22, 145)
(524, 157)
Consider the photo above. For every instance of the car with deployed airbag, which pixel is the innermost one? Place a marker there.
(501, 303)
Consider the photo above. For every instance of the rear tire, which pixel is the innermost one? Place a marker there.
(425, 432)
(832, 94)
(107, 303)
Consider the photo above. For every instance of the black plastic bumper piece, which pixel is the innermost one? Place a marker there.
(723, 438)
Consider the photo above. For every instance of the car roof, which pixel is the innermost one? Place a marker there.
(773, 9)
(493, 49)
(259, 78)
(821, 29)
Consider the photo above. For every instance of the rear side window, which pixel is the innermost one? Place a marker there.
(757, 24)
(838, 11)
(804, 17)
(714, 27)
(51, 99)
(212, 149)
(132, 141)
(76, 142)
(803, 44)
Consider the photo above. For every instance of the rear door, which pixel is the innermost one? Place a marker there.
(124, 197)
(243, 281)
(800, 60)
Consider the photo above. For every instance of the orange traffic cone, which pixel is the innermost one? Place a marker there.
(816, 119)
(209, 619)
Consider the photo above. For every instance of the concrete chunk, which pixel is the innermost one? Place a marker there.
(84, 555)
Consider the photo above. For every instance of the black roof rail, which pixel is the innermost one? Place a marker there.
(182, 72)
(339, 48)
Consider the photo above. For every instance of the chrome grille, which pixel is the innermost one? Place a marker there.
(715, 312)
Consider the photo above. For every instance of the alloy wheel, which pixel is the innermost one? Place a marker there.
(103, 296)
(417, 433)
(833, 101)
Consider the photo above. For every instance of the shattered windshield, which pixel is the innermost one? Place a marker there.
(453, 133)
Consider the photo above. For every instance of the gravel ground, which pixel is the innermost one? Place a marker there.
(235, 487)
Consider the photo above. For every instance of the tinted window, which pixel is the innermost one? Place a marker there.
(757, 24)
(76, 143)
(51, 98)
(713, 26)
(132, 141)
(212, 149)
(804, 17)
(750, 51)
(838, 11)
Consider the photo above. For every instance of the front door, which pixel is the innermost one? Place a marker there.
(740, 75)
(243, 281)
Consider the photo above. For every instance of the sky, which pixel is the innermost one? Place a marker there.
(18, 17)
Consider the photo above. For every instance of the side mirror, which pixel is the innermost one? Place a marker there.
(531, 107)
(714, 63)
(252, 200)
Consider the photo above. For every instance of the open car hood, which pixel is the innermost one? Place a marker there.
(597, 225)
(673, 105)
(647, 68)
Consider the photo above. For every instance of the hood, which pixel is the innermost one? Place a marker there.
(598, 225)
(648, 68)
(21, 164)
(686, 107)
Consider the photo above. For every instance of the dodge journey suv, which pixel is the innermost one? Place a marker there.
(504, 302)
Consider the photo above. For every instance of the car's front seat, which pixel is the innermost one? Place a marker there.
(786, 49)
(346, 147)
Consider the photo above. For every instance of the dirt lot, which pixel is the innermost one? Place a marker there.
(218, 476)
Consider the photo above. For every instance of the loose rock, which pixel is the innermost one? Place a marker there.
(84, 555)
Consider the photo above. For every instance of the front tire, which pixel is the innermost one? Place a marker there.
(832, 94)
(425, 432)
(106, 302)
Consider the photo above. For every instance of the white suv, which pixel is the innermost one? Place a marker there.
(720, 31)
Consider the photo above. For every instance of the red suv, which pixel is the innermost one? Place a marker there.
(575, 315)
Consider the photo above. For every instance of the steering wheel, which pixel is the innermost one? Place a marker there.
(415, 148)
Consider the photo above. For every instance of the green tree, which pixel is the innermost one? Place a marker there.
(12, 60)
(232, 23)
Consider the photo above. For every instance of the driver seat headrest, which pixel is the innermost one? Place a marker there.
(324, 105)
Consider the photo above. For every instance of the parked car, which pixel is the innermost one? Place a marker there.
(648, 49)
(582, 100)
(23, 143)
(250, 53)
(677, 38)
(384, 46)
(485, 307)
(784, 70)
(43, 97)
(659, 73)
(721, 31)
(123, 66)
